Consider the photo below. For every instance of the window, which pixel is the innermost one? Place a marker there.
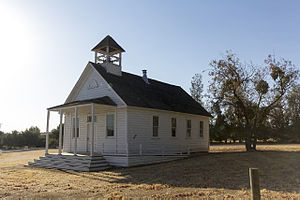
(89, 119)
(188, 128)
(173, 129)
(155, 126)
(201, 128)
(110, 125)
(73, 127)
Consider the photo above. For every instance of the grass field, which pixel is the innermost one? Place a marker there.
(221, 174)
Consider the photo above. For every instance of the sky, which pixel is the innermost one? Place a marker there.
(45, 45)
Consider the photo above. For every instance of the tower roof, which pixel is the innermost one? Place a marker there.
(109, 42)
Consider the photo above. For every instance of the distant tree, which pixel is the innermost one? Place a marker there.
(54, 136)
(12, 139)
(293, 113)
(293, 102)
(251, 92)
(196, 89)
(31, 137)
(1, 139)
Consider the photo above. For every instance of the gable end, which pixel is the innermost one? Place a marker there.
(92, 85)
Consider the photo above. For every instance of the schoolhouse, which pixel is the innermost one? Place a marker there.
(115, 118)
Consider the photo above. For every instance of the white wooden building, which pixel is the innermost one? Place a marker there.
(128, 119)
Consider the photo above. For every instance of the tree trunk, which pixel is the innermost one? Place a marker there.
(251, 143)
(254, 141)
(248, 143)
(250, 140)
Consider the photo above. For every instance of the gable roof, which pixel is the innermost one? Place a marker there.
(108, 41)
(157, 95)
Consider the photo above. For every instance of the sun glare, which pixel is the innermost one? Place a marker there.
(16, 60)
(15, 46)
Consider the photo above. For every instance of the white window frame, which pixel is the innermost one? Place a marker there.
(201, 131)
(190, 129)
(110, 136)
(89, 118)
(157, 136)
(73, 129)
(173, 127)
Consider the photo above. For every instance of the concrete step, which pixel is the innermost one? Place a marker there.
(98, 159)
(74, 162)
(66, 167)
(69, 162)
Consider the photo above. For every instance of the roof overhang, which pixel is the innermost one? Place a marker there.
(101, 101)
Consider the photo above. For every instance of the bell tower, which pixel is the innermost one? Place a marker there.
(109, 54)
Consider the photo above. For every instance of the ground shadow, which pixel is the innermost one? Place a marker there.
(279, 171)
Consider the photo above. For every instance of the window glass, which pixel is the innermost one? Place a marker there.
(173, 129)
(110, 125)
(201, 129)
(73, 127)
(89, 118)
(155, 126)
(188, 128)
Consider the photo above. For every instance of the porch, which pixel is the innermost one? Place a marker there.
(96, 123)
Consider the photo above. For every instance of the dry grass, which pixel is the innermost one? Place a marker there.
(221, 174)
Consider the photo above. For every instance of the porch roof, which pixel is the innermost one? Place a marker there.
(102, 100)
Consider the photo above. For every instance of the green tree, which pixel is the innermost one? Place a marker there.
(293, 101)
(251, 92)
(293, 113)
(31, 137)
(54, 136)
(1, 139)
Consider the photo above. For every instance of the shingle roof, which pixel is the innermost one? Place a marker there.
(157, 95)
(103, 100)
(108, 41)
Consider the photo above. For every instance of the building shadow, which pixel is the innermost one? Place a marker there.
(279, 171)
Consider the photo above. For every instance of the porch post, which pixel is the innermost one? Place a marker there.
(93, 130)
(60, 132)
(107, 55)
(76, 130)
(47, 132)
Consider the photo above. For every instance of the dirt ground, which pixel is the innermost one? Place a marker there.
(220, 174)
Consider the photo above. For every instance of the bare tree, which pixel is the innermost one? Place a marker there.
(251, 92)
(197, 88)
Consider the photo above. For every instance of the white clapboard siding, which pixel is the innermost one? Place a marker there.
(121, 126)
(138, 141)
(140, 132)
(67, 134)
(144, 160)
(119, 161)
